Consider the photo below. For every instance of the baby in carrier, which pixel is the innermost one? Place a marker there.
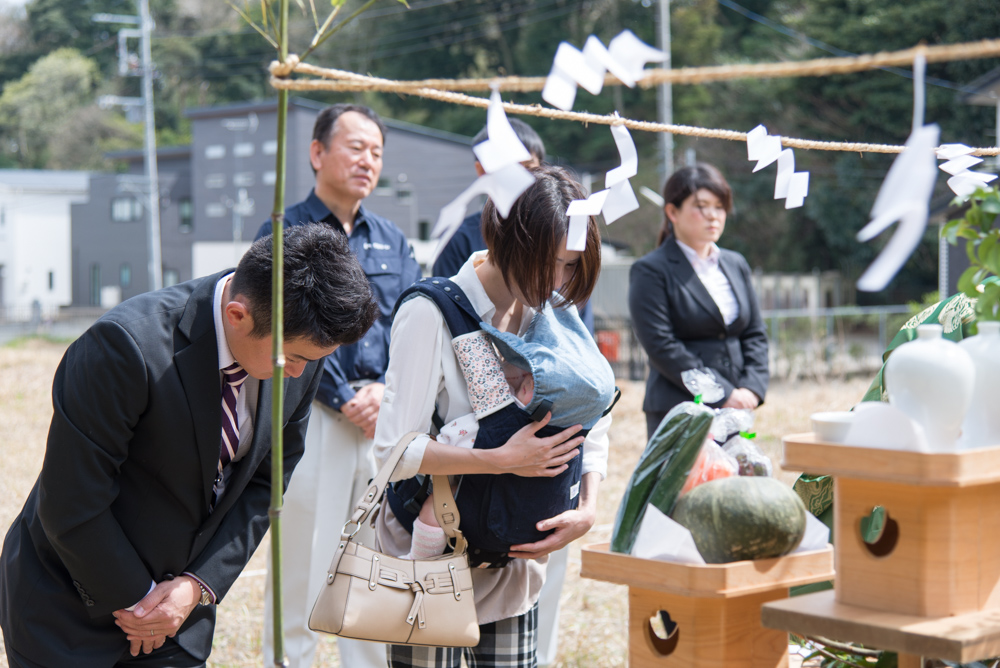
(555, 366)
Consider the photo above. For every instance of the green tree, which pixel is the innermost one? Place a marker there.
(33, 108)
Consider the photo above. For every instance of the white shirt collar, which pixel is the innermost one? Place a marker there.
(692, 255)
(225, 354)
(468, 280)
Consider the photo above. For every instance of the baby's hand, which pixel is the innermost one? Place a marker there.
(526, 391)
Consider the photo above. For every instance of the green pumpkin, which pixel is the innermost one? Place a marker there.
(744, 517)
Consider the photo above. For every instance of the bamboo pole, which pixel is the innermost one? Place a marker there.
(277, 337)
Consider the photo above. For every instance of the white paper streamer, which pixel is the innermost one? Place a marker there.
(625, 58)
(962, 182)
(505, 179)
(616, 200)
(905, 197)
(789, 185)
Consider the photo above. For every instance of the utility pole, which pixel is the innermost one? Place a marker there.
(665, 94)
(144, 33)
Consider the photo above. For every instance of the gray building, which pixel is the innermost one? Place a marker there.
(216, 192)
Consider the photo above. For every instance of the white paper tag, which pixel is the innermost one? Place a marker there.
(621, 200)
(576, 235)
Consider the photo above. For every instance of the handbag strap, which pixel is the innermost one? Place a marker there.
(445, 508)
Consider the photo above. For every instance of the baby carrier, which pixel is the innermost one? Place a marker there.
(497, 511)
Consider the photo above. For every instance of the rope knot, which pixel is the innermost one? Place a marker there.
(284, 69)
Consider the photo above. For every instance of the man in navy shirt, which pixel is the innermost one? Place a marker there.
(346, 156)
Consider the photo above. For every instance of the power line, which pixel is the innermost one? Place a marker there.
(823, 46)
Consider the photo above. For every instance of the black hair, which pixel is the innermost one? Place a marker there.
(685, 182)
(525, 133)
(327, 119)
(328, 300)
(525, 243)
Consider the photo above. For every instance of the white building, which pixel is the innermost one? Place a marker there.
(35, 255)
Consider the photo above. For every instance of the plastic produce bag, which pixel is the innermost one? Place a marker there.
(713, 463)
(748, 456)
(729, 422)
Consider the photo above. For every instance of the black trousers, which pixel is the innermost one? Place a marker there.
(653, 421)
(171, 655)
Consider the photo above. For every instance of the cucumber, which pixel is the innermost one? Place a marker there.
(658, 453)
(675, 470)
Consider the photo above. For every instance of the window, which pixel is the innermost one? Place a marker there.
(424, 230)
(95, 284)
(383, 187)
(215, 181)
(270, 147)
(215, 151)
(52, 281)
(125, 209)
(3, 216)
(243, 179)
(170, 277)
(270, 178)
(215, 210)
(185, 211)
(404, 195)
(125, 275)
(243, 150)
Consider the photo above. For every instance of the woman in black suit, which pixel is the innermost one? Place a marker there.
(692, 303)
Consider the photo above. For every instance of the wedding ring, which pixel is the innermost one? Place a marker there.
(151, 632)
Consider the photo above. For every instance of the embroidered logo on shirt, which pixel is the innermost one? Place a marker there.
(376, 245)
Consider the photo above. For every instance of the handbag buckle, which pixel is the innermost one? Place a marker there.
(357, 528)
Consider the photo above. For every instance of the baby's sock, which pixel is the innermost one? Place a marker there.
(428, 541)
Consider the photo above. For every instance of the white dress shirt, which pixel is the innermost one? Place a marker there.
(246, 400)
(714, 280)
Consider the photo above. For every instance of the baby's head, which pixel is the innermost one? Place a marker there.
(521, 382)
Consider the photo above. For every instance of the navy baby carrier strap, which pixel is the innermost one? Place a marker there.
(497, 511)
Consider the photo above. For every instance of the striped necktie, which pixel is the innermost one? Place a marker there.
(234, 377)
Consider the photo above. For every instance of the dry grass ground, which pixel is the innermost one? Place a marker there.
(594, 614)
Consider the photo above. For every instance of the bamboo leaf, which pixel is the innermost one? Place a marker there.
(253, 24)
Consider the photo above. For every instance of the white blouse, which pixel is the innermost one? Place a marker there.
(423, 370)
(714, 281)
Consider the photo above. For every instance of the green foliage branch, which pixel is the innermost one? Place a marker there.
(982, 245)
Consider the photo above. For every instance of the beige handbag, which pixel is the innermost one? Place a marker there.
(373, 596)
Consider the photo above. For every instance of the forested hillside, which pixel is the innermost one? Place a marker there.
(55, 61)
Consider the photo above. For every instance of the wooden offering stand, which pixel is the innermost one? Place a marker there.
(929, 585)
(716, 607)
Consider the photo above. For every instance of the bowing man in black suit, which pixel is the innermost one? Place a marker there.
(692, 303)
(145, 511)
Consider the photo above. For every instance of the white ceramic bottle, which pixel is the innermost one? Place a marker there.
(931, 379)
(982, 423)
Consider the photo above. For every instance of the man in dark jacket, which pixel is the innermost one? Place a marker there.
(156, 482)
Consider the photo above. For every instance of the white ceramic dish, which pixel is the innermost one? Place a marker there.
(831, 426)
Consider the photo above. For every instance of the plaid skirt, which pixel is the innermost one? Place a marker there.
(508, 643)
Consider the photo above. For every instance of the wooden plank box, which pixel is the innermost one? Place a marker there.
(939, 554)
(961, 638)
(716, 607)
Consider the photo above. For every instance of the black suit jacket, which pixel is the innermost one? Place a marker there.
(680, 326)
(123, 498)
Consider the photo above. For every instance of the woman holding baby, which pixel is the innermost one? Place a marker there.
(522, 288)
